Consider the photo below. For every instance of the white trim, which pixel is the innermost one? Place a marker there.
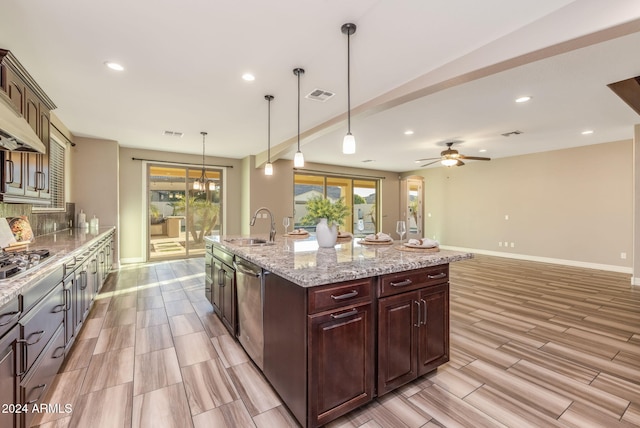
(145, 212)
(575, 263)
(131, 260)
(635, 281)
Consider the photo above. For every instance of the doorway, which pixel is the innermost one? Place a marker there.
(179, 215)
(411, 205)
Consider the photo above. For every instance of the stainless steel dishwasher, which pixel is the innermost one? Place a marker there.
(250, 292)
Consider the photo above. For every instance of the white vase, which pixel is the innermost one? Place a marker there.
(326, 235)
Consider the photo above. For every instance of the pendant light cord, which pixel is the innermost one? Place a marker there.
(298, 73)
(349, 82)
(269, 98)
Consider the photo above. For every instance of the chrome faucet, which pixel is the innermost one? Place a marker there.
(272, 232)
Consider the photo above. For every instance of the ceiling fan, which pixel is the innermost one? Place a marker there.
(450, 157)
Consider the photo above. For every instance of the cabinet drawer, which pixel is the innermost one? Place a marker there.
(412, 280)
(334, 296)
(9, 315)
(34, 387)
(39, 325)
(223, 256)
(41, 289)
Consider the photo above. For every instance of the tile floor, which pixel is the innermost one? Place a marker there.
(532, 345)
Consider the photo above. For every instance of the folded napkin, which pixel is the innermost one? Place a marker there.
(298, 232)
(424, 242)
(380, 236)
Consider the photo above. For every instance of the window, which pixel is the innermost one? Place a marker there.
(56, 177)
(361, 194)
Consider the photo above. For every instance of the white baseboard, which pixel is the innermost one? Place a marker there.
(132, 260)
(575, 263)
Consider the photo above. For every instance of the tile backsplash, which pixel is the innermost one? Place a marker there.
(41, 222)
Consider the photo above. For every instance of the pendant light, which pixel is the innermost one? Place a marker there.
(298, 159)
(268, 168)
(201, 183)
(349, 142)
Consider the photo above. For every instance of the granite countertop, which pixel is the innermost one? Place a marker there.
(302, 262)
(63, 245)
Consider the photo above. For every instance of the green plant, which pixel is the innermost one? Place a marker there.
(319, 207)
(202, 216)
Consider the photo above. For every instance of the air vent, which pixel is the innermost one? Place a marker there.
(509, 134)
(172, 134)
(319, 95)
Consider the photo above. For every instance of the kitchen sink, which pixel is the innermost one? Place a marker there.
(249, 242)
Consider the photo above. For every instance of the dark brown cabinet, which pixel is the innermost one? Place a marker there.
(319, 347)
(341, 351)
(25, 176)
(223, 287)
(413, 325)
(8, 370)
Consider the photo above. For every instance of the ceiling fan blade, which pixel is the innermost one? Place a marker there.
(460, 163)
(472, 157)
(426, 159)
(430, 163)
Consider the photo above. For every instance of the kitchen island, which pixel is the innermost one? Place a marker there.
(338, 326)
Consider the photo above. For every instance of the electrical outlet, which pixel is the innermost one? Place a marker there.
(506, 244)
(499, 243)
(506, 216)
(623, 255)
(513, 244)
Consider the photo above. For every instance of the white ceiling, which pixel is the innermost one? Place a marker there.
(446, 69)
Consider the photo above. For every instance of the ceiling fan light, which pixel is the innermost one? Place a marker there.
(449, 162)
(298, 159)
(268, 169)
(349, 144)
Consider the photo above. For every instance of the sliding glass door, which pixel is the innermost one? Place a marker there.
(179, 216)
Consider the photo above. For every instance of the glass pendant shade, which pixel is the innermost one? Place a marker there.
(196, 185)
(449, 162)
(349, 144)
(298, 160)
(268, 169)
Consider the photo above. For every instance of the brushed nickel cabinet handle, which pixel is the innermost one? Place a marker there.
(349, 295)
(418, 312)
(26, 341)
(424, 321)
(14, 315)
(344, 314)
(10, 163)
(401, 283)
(438, 276)
(41, 387)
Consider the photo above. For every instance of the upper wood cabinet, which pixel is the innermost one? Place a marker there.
(25, 176)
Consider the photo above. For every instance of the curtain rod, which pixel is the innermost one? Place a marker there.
(338, 174)
(63, 136)
(180, 163)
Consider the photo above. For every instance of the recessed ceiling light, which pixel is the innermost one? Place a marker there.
(114, 66)
(248, 77)
(587, 132)
(482, 150)
(408, 132)
(523, 99)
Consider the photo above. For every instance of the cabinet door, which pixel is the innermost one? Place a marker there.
(397, 341)
(341, 367)
(433, 341)
(217, 277)
(31, 174)
(8, 371)
(208, 275)
(13, 173)
(227, 297)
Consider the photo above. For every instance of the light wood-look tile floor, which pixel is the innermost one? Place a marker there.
(532, 345)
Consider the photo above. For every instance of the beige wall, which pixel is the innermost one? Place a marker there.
(132, 197)
(94, 182)
(568, 205)
(276, 193)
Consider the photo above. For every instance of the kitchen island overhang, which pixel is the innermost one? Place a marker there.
(340, 325)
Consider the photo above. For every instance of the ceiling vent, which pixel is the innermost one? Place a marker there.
(319, 95)
(172, 134)
(509, 134)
